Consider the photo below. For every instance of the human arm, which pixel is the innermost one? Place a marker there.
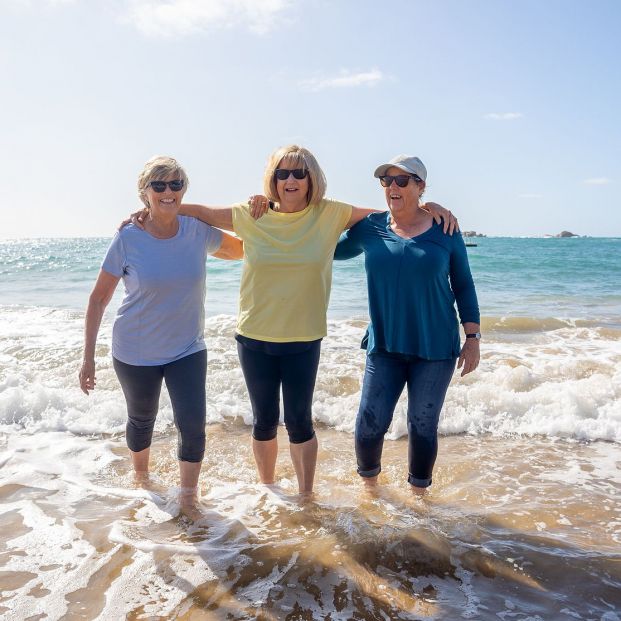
(231, 248)
(349, 244)
(463, 288)
(220, 217)
(439, 214)
(98, 300)
(470, 352)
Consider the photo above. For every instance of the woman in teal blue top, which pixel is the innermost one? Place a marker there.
(415, 274)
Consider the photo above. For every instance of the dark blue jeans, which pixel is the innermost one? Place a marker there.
(385, 376)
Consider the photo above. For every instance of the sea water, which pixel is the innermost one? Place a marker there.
(523, 520)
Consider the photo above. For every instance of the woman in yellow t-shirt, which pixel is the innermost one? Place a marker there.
(284, 294)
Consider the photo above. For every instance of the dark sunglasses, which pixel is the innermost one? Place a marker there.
(160, 186)
(282, 174)
(400, 180)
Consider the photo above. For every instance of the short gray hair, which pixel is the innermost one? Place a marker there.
(159, 168)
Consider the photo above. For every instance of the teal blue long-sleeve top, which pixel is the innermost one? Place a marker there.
(413, 285)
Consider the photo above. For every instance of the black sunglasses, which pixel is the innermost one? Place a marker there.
(400, 180)
(282, 174)
(160, 186)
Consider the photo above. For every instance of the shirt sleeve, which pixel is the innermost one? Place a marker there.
(343, 210)
(213, 239)
(240, 213)
(115, 261)
(462, 283)
(350, 243)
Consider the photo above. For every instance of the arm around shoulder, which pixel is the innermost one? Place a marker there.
(231, 248)
(357, 214)
(220, 217)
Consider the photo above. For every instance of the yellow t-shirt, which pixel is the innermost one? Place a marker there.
(287, 273)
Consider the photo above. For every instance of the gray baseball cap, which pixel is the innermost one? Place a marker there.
(407, 163)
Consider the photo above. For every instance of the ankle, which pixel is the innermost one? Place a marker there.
(187, 495)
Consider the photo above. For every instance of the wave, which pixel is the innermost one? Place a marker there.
(550, 377)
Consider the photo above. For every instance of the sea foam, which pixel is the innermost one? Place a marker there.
(547, 378)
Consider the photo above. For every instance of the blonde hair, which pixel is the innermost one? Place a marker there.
(299, 157)
(159, 168)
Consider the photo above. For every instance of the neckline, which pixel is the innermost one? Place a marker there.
(389, 229)
(166, 239)
(279, 213)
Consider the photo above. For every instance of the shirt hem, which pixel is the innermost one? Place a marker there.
(280, 339)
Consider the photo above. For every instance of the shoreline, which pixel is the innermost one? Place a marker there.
(510, 525)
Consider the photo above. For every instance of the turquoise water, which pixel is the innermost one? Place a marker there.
(523, 520)
(574, 278)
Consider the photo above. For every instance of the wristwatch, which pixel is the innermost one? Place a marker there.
(474, 335)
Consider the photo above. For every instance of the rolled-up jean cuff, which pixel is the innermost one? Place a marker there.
(412, 480)
(370, 473)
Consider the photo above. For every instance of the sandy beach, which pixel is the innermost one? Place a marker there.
(513, 528)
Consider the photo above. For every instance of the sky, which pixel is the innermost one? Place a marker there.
(514, 107)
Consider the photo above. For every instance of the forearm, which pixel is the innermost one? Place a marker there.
(220, 217)
(94, 314)
(471, 328)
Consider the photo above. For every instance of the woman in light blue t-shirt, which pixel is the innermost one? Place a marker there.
(158, 330)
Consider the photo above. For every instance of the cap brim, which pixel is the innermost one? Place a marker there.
(380, 171)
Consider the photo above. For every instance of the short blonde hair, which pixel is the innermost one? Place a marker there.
(159, 168)
(298, 157)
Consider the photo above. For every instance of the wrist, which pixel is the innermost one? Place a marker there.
(473, 336)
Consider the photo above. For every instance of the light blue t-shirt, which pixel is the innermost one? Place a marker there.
(162, 316)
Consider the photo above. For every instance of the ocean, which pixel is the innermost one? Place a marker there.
(523, 521)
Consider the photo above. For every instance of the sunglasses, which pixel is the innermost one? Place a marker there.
(160, 186)
(400, 180)
(282, 174)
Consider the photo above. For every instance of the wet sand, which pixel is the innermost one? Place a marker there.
(513, 528)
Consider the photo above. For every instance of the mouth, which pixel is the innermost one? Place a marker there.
(167, 201)
(395, 197)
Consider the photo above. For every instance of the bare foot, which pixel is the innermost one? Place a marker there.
(192, 511)
(189, 505)
(141, 479)
(370, 486)
(418, 492)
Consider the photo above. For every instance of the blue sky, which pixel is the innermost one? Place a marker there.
(513, 106)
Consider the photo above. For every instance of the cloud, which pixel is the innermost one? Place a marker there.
(504, 116)
(531, 196)
(34, 4)
(598, 181)
(181, 17)
(345, 80)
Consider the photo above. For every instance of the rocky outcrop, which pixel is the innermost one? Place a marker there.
(566, 234)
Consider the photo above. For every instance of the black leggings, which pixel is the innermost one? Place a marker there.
(265, 374)
(185, 380)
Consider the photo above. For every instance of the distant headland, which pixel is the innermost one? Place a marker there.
(563, 234)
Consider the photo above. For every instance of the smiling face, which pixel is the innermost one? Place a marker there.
(404, 199)
(166, 202)
(292, 191)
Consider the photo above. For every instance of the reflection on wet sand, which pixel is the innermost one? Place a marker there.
(514, 540)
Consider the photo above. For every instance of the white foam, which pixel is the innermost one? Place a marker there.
(561, 382)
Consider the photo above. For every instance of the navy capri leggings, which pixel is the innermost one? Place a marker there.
(185, 380)
(269, 366)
